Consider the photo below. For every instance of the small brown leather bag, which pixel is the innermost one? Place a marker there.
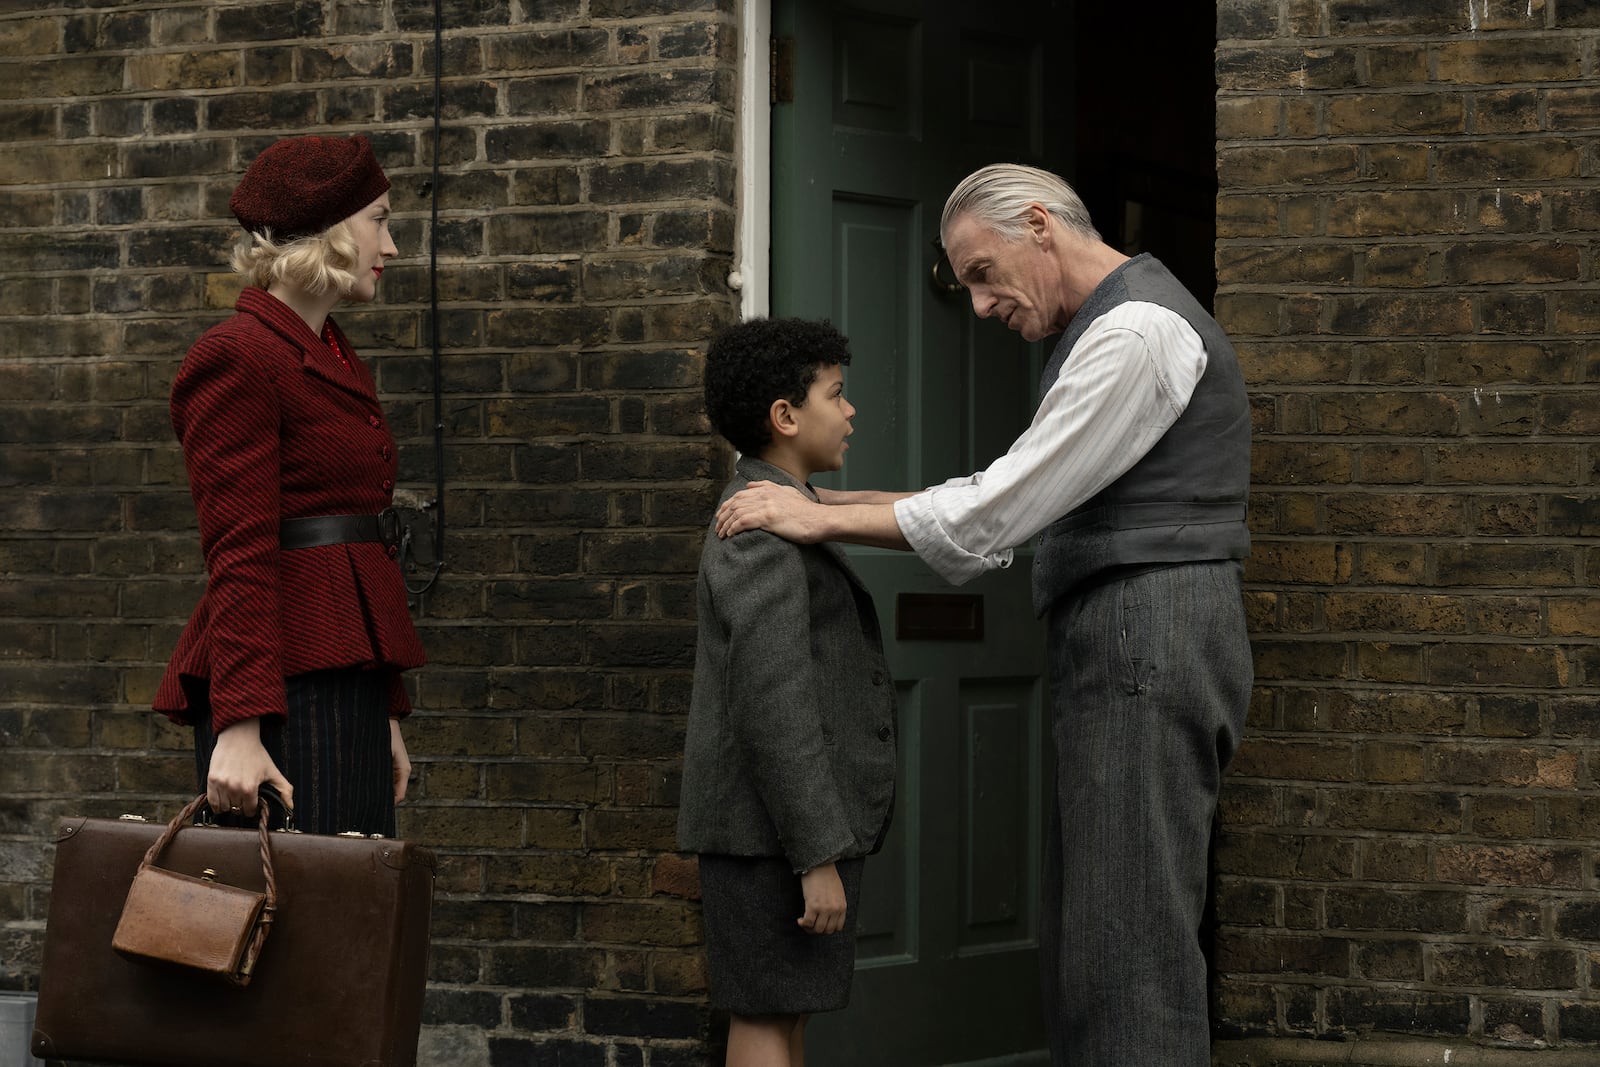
(200, 924)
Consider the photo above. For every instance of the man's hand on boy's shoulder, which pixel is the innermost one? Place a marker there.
(779, 509)
(856, 518)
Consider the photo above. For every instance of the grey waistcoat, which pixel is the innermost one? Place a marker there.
(1183, 501)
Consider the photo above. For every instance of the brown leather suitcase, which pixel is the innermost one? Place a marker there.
(339, 982)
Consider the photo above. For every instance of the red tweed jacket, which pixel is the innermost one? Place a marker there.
(273, 425)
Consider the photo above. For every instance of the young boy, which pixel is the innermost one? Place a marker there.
(789, 762)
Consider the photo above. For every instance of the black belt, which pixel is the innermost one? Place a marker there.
(314, 531)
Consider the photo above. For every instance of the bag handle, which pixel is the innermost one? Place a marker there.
(180, 820)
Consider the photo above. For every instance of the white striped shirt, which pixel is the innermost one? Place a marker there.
(1128, 379)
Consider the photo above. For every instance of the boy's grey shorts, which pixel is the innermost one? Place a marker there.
(762, 962)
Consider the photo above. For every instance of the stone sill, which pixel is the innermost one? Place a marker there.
(1382, 1052)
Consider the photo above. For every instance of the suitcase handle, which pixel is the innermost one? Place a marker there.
(181, 820)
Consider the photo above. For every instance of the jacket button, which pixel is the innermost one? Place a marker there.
(387, 485)
(393, 552)
(384, 452)
(885, 733)
(878, 677)
(374, 421)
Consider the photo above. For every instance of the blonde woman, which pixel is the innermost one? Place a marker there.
(289, 668)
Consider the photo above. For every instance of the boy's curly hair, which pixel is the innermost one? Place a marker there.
(754, 363)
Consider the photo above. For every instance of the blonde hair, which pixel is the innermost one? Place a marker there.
(316, 263)
(998, 196)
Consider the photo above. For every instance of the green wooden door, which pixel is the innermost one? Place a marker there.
(892, 103)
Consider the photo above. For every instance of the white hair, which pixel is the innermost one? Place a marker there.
(998, 196)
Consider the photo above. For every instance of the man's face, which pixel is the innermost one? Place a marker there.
(1018, 282)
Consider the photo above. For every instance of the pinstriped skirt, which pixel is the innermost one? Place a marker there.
(333, 748)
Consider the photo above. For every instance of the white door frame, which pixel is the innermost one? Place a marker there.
(752, 273)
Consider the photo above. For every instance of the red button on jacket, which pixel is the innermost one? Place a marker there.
(272, 427)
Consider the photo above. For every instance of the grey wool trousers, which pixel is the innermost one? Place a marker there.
(1150, 683)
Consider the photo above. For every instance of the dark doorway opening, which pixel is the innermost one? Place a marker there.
(1146, 133)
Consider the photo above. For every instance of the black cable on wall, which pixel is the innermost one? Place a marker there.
(437, 504)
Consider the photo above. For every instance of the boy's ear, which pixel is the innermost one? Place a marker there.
(781, 415)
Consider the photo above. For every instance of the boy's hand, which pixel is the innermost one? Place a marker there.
(825, 903)
(778, 509)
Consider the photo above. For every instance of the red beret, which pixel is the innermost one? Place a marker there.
(303, 185)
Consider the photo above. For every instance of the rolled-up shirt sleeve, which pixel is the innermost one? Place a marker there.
(1129, 378)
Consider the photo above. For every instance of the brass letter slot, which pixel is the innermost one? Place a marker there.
(938, 617)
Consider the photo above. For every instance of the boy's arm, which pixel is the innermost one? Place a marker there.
(758, 586)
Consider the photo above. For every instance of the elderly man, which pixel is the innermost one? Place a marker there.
(1134, 472)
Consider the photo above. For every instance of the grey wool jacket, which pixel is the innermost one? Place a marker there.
(790, 749)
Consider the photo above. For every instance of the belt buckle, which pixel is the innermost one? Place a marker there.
(390, 527)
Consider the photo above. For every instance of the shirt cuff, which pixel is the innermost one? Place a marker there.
(927, 536)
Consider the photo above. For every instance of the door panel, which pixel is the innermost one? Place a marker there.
(886, 928)
(875, 73)
(894, 102)
(998, 721)
(875, 255)
(1001, 76)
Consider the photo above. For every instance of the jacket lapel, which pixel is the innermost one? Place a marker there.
(315, 357)
(324, 364)
(836, 550)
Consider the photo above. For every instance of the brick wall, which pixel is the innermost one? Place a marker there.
(1407, 256)
(584, 241)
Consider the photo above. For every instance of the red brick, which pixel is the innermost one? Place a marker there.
(1509, 865)
(676, 876)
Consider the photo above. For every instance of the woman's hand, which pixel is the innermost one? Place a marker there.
(825, 903)
(402, 762)
(239, 767)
